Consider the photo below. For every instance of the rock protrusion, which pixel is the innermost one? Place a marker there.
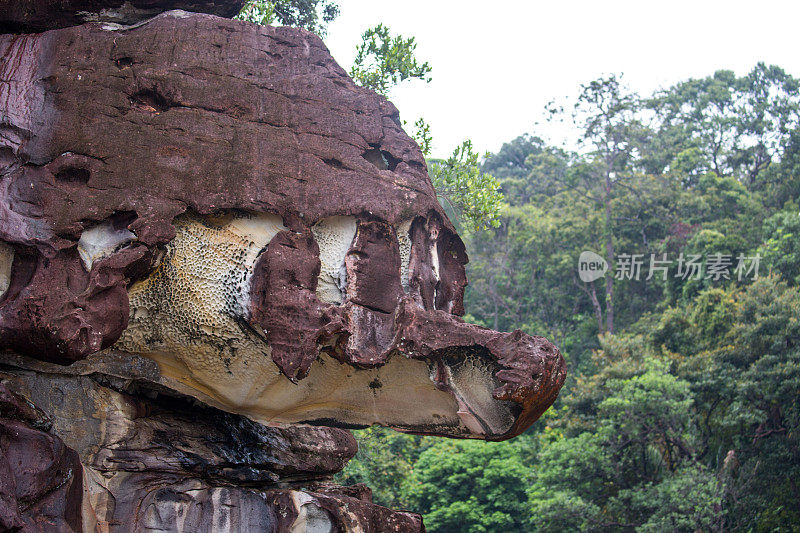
(28, 16)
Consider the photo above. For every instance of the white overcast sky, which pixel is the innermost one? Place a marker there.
(497, 63)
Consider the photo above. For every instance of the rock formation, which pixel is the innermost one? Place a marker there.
(213, 245)
(39, 15)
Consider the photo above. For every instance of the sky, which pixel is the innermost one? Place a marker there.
(497, 64)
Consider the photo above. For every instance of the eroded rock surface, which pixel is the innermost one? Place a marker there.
(133, 459)
(41, 486)
(220, 197)
(213, 245)
(18, 16)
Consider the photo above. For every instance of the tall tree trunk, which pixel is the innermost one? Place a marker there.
(609, 237)
(598, 311)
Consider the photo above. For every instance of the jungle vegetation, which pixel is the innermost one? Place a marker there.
(681, 410)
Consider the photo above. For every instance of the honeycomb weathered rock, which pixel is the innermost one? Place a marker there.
(334, 236)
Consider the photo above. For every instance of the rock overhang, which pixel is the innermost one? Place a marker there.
(18, 16)
(263, 127)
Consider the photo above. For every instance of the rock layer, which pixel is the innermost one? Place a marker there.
(143, 461)
(213, 245)
(183, 112)
(130, 152)
(41, 487)
(18, 16)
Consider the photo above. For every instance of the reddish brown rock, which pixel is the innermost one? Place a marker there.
(335, 511)
(18, 16)
(373, 268)
(41, 488)
(319, 239)
(285, 305)
(209, 233)
(166, 117)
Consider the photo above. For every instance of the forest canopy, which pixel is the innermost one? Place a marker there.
(682, 334)
(681, 409)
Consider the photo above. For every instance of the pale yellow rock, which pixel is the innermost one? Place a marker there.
(6, 260)
(334, 237)
(190, 309)
(190, 316)
(404, 240)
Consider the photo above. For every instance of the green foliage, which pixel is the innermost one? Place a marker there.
(632, 465)
(382, 61)
(746, 384)
(258, 12)
(687, 416)
(385, 462)
(471, 487)
(313, 15)
(741, 126)
(473, 195)
(422, 134)
(782, 246)
(690, 500)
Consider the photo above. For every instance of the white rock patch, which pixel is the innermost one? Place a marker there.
(334, 237)
(101, 241)
(310, 517)
(124, 14)
(404, 240)
(435, 260)
(256, 230)
(6, 260)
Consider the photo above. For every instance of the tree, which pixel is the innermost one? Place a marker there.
(746, 384)
(626, 459)
(523, 272)
(472, 194)
(313, 15)
(471, 487)
(728, 125)
(782, 246)
(382, 61)
(511, 167)
(687, 417)
(385, 462)
(607, 113)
